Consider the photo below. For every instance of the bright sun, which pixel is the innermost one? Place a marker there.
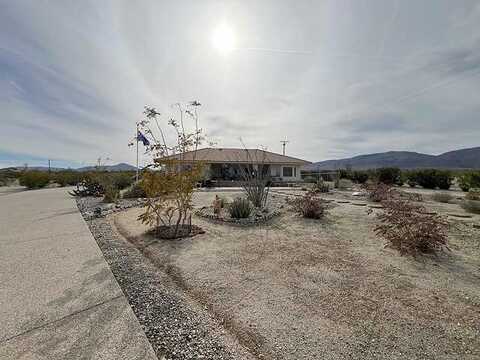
(223, 39)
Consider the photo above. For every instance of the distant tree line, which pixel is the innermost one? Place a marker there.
(426, 178)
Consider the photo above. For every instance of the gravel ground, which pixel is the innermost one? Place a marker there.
(304, 289)
(176, 326)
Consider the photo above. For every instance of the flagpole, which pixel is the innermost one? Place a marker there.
(136, 137)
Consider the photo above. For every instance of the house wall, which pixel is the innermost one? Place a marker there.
(278, 171)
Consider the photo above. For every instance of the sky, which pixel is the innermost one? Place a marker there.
(335, 78)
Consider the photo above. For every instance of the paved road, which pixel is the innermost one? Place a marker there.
(58, 297)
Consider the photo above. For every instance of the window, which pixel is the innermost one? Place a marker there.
(287, 171)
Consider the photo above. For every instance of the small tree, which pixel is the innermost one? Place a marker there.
(171, 178)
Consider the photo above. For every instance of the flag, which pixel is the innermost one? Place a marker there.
(143, 139)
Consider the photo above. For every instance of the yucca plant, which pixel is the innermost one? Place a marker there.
(240, 208)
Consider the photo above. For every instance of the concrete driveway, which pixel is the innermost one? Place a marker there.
(58, 297)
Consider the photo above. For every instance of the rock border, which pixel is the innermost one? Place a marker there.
(250, 221)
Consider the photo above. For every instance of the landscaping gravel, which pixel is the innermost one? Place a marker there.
(175, 325)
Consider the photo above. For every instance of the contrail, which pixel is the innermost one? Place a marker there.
(299, 52)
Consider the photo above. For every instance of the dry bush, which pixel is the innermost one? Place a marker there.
(473, 194)
(408, 228)
(442, 197)
(378, 192)
(321, 187)
(343, 184)
(309, 205)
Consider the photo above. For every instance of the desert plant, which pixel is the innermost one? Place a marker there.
(112, 193)
(170, 188)
(378, 192)
(409, 229)
(343, 184)
(256, 179)
(360, 176)
(471, 206)
(321, 187)
(121, 180)
(442, 197)
(444, 179)
(240, 208)
(91, 185)
(473, 194)
(431, 178)
(389, 175)
(34, 179)
(308, 205)
(469, 179)
(67, 177)
(135, 191)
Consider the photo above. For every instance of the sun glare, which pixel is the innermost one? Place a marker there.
(223, 39)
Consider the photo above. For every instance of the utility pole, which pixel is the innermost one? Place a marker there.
(136, 138)
(284, 143)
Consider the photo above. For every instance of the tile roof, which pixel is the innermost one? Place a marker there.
(235, 155)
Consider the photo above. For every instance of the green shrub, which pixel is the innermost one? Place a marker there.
(444, 179)
(469, 179)
(111, 194)
(360, 176)
(427, 178)
(442, 197)
(472, 206)
(240, 208)
(35, 179)
(432, 178)
(121, 180)
(67, 178)
(389, 176)
(136, 191)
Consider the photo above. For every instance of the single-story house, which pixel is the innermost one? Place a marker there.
(230, 164)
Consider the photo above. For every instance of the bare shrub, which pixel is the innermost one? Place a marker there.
(308, 205)
(378, 192)
(442, 197)
(343, 184)
(409, 229)
(256, 177)
(473, 194)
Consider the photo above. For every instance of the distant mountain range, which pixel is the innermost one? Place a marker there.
(117, 167)
(458, 159)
